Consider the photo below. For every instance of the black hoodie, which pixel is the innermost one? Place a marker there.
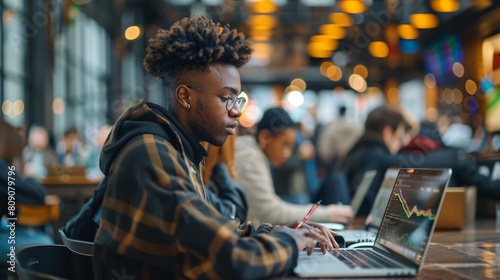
(156, 220)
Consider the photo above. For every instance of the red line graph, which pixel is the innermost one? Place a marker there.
(414, 209)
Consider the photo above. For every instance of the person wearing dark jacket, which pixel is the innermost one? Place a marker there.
(15, 189)
(427, 150)
(376, 149)
(157, 221)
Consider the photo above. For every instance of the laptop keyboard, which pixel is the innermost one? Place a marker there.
(362, 259)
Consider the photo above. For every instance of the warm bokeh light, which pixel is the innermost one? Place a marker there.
(430, 81)
(291, 88)
(458, 96)
(295, 98)
(261, 34)
(458, 69)
(322, 46)
(18, 107)
(133, 32)
(357, 83)
(334, 73)
(341, 19)
(262, 21)
(250, 115)
(431, 114)
(7, 107)
(331, 43)
(58, 106)
(378, 49)
(313, 52)
(424, 21)
(471, 87)
(264, 7)
(299, 83)
(393, 95)
(360, 70)
(335, 31)
(448, 96)
(352, 6)
(408, 32)
(324, 67)
(445, 6)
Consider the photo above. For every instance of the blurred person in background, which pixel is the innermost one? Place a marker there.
(454, 133)
(93, 171)
(255, 154)
(384, 134)
(38, 155)
(70, 149)
(427, 150)
(336, 139)
(27, 191)
(296, 181)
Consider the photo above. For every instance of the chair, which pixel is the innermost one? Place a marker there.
(40, 215)
(77, 246)
(52, 261)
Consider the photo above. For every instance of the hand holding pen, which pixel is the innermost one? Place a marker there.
(308, 214)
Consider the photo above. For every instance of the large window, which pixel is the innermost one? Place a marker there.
(81, 74)
(15, 34)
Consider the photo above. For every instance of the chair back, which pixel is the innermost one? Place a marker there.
(77, 246)
(39, 215)
(52, 261)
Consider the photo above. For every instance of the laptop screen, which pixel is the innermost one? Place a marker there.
(412, 211)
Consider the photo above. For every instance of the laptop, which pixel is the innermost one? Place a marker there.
(402, 239)
(356, 200)
(373, 219)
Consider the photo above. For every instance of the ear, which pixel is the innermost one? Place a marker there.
(182, 96)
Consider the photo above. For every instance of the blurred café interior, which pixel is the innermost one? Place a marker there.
(70, 68)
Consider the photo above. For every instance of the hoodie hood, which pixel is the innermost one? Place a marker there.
(148, 118)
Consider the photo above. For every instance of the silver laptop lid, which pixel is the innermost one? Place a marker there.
(411, 213)
(374, 219)
(361, 191)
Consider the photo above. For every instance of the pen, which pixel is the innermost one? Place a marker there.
(308, 214)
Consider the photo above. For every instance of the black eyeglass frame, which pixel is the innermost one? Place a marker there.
(232, 100)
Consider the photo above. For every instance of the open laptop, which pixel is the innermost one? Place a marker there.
(402, 239)
(373, 220)
(356, 200)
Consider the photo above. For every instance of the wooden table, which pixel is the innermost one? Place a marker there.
(470, 253)
(77, 188)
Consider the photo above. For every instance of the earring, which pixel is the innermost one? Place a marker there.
(188, 107)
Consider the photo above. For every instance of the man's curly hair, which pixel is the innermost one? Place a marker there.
(192, 44)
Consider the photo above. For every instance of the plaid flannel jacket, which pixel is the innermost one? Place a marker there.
(156, 222)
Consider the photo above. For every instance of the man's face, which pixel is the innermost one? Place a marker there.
(209, 120)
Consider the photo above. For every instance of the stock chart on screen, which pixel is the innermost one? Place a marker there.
(412, 211)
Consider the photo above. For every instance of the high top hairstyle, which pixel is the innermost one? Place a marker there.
(189, 47)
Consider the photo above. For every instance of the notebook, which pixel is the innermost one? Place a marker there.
(356, 200)
(373, 219)
(402, 239)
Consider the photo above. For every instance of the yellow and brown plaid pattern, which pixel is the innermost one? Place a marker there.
(156, 223)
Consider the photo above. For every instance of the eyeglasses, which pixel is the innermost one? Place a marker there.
(230, 100)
